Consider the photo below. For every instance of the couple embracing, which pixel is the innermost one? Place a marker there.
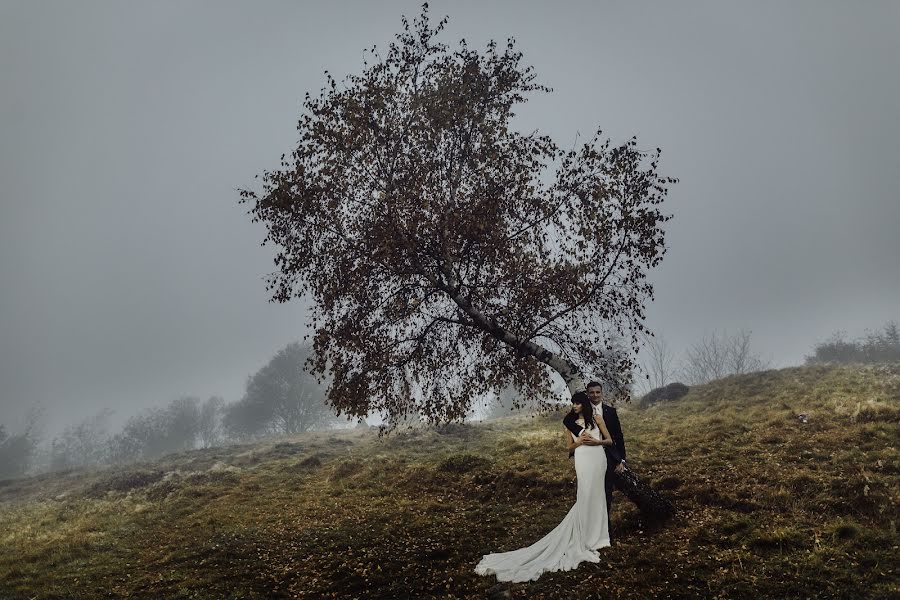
(594, 436)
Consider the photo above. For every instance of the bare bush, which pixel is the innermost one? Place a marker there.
(658, 364)
(719, 355)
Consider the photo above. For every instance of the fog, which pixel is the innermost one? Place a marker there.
(131, 275)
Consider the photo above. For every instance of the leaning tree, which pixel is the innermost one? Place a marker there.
(447, 254)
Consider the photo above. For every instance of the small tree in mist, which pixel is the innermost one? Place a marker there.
(144, 436)
(281, 398)
(447, 255)
(158, 431)
(17, 451)
(183, 419)
(15, 454)
(716, 356)
(82, 445)
(883, 345)
(210, 433)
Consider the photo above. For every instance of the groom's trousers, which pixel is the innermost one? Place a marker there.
(610, 484)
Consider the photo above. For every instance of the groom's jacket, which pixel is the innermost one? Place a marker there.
(615, 453)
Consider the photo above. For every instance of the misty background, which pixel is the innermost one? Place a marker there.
(130, 275)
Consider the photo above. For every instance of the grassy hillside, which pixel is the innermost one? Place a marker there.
(771, 507)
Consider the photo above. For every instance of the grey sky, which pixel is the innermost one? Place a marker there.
(130, 275)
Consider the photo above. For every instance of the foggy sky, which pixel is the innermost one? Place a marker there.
(131, 275)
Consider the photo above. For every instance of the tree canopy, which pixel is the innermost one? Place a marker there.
(447, 254)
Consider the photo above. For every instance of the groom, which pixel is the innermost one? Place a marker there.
(615, 454)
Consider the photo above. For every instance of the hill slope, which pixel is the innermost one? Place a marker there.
(770, 506)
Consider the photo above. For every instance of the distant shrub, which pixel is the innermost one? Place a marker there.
(673, 391)
(880, 346)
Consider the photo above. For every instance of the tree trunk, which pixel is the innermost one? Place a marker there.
(651, 504)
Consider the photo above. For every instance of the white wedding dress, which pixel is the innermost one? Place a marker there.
(576, 539)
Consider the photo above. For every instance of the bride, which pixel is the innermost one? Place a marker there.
(585, 529)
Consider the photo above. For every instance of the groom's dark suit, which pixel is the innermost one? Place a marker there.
(614, 454)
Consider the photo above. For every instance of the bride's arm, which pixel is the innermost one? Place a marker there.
(607, 439)
(570, 443)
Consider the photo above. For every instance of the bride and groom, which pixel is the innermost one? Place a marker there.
(594, 436)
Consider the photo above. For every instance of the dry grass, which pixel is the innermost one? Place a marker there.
(770, 507)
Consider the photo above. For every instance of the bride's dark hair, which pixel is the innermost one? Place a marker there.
(587, 409)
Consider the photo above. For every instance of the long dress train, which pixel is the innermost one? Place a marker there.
(583, 531)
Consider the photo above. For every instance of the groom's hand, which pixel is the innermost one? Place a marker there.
(620, 467)
(587, 439)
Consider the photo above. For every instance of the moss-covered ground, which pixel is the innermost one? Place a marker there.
(770, 506)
